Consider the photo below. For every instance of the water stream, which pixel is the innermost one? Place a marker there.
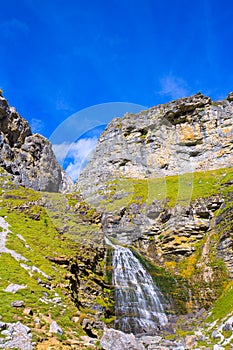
(138, 306)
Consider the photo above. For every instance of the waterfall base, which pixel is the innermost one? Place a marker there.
(137, 325)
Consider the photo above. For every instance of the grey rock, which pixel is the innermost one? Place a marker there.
(218, 347)
(56, 300)
(113, 339)
(13, 288)
(189, 134)
(17, 336)
(28, 157)
(228, 325)
(54, 328)
(150, 340)
(2, 326)
(17, 303)
(190, 341)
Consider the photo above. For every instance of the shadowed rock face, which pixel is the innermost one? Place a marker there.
(189, 134)
(28, 157)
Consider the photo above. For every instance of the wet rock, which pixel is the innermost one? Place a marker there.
(113, 339)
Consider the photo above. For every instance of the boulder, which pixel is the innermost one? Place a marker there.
(17, 303)
(17, 336)
(13, 288)
(54, 328)
(113, 339)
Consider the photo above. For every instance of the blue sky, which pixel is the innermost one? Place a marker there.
(59, 57)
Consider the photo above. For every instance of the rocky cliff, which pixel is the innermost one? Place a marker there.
(186, 135)
(28, 157)
(159, 182)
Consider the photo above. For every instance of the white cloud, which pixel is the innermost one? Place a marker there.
(174, 87)
(61, 151)
(37, 125)
(78, 153)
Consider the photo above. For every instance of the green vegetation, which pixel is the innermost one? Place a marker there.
(55, 226)
(177, 189)
(37, 222)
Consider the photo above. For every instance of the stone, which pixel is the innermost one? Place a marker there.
(186, 135)
(228, 325)
(13, 288)
(113, 339)
(150, 340)
(17, 336)
(218, 347)
(75, 319)
(17, 303)
(56, 300)
(28, 311)
(2, 326)
(190, 341)
(217, 335)
(54, 328)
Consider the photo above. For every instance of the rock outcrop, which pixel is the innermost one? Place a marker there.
(15, 336)
(173, 231)
(28, 157)
(189, 134)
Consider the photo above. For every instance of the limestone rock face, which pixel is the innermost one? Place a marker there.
(163, 232)
(189, 134)
(114, 339)
(28, 157)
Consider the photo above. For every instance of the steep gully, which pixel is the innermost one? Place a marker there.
(138, 300)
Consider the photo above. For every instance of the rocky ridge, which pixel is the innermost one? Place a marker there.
(28, 157)
(182, 136)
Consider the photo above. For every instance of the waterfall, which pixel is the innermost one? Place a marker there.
(138, 307)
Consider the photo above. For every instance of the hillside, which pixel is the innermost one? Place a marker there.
(160, 183)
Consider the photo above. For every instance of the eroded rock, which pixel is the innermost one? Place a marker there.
(113, 339)
(28, 157)
(189, 134)
(55, 328)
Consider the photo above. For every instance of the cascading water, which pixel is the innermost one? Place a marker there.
(138, 307)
